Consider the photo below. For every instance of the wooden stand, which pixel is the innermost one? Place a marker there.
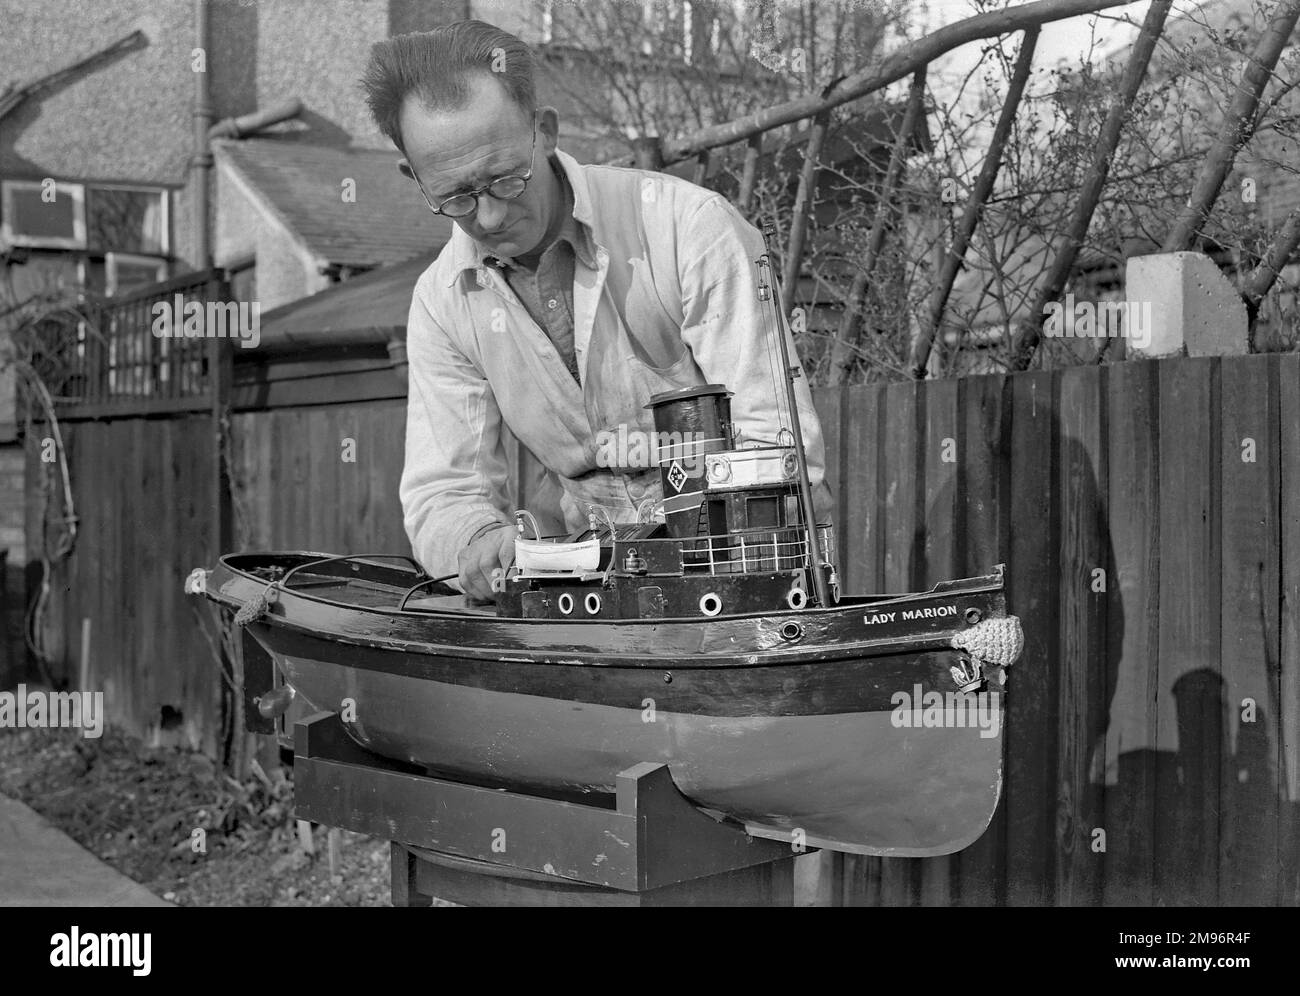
(481, 846)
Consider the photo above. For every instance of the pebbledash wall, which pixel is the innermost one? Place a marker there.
(130, 121)
(1149, 513)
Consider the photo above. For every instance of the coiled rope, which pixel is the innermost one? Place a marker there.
(256, 606)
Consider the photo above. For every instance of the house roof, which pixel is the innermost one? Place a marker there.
(303, 186)
(370, 308)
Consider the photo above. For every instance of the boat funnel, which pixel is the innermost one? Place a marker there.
(689, 423)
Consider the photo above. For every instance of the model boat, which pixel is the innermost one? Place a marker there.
(709, 635)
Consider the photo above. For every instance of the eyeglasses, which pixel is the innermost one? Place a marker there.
(503, 188)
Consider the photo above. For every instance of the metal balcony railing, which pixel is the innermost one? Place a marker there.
(132, 353)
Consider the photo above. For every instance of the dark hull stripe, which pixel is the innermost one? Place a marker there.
(800, 689)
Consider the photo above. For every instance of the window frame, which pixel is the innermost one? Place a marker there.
(165, 224)
(79, 191)
(112, 259)
(75, 189)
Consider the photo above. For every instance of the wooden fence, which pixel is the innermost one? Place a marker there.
(1149, 512)
(1150, 516)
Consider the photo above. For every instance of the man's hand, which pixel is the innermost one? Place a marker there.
(494, 549)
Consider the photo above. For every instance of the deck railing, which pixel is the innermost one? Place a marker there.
(748, 551)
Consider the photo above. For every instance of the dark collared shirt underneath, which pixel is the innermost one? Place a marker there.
(546, 289)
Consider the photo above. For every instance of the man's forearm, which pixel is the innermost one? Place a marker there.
(455, 472)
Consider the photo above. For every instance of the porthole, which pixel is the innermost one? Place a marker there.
(592, 603)
(710, 604)
(565, 604)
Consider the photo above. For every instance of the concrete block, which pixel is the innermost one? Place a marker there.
(1193, 306)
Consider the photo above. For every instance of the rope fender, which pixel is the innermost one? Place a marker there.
(993, 641)
(255, 607)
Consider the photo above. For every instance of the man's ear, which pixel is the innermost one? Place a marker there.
(404, 168)
(548, 122)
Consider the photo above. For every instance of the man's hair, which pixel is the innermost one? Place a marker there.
(437, 66)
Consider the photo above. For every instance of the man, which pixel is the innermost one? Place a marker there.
(567, 296)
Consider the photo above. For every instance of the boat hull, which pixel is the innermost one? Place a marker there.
(853, 737)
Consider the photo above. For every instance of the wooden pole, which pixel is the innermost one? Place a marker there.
(648, 152)
(84, 675)
(1238, 126)
(701, 168)
(753, 150)
(802, 206)
(220, 378)
(846, 339)
(1029, 331)
(975, 206)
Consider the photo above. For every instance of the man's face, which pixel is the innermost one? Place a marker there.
(455, 151)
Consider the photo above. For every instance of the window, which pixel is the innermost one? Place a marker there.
(44, 214)
(100, 218)
(762, 513)
(125, 272)
(126, 219)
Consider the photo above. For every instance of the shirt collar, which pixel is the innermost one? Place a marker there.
(469, 255)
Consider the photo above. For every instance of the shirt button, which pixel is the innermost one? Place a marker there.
(636, 491)
(552, 304)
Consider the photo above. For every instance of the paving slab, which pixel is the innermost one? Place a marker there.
(41, 865)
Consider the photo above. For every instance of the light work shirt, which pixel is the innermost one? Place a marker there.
(666, 298)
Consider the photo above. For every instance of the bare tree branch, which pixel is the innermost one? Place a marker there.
(1238, 126)
(900, 63)
(1090, 191)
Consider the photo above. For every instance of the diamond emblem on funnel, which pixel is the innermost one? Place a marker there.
(676, 476)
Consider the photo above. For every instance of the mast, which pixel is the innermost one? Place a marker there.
(772, 294)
